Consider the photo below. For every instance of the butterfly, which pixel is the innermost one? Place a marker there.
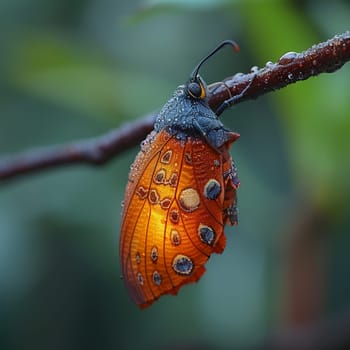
(181, 192)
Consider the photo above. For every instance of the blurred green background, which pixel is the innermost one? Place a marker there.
(72, 69)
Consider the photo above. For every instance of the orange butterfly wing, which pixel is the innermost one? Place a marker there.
(178, 198)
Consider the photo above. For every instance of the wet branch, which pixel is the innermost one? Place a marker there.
(325, 57)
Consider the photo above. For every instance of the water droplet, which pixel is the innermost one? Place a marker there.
(270, 64)
(290, 76)
(144, 145)
(238, 75)
(287, 57)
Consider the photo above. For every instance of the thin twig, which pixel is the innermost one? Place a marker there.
(325, 57)
(94, 151)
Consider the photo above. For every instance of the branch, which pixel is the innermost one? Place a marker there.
(94, 151)
(325, 57)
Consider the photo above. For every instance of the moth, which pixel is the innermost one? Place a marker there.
(181, 192)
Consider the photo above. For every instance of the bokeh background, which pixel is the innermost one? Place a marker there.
(73, 69)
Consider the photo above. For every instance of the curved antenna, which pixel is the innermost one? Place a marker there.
(224, 43)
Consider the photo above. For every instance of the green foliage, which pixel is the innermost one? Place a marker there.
(59, 71)
(315, 113)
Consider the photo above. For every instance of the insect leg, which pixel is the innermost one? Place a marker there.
(230, 212)
(232, 100)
